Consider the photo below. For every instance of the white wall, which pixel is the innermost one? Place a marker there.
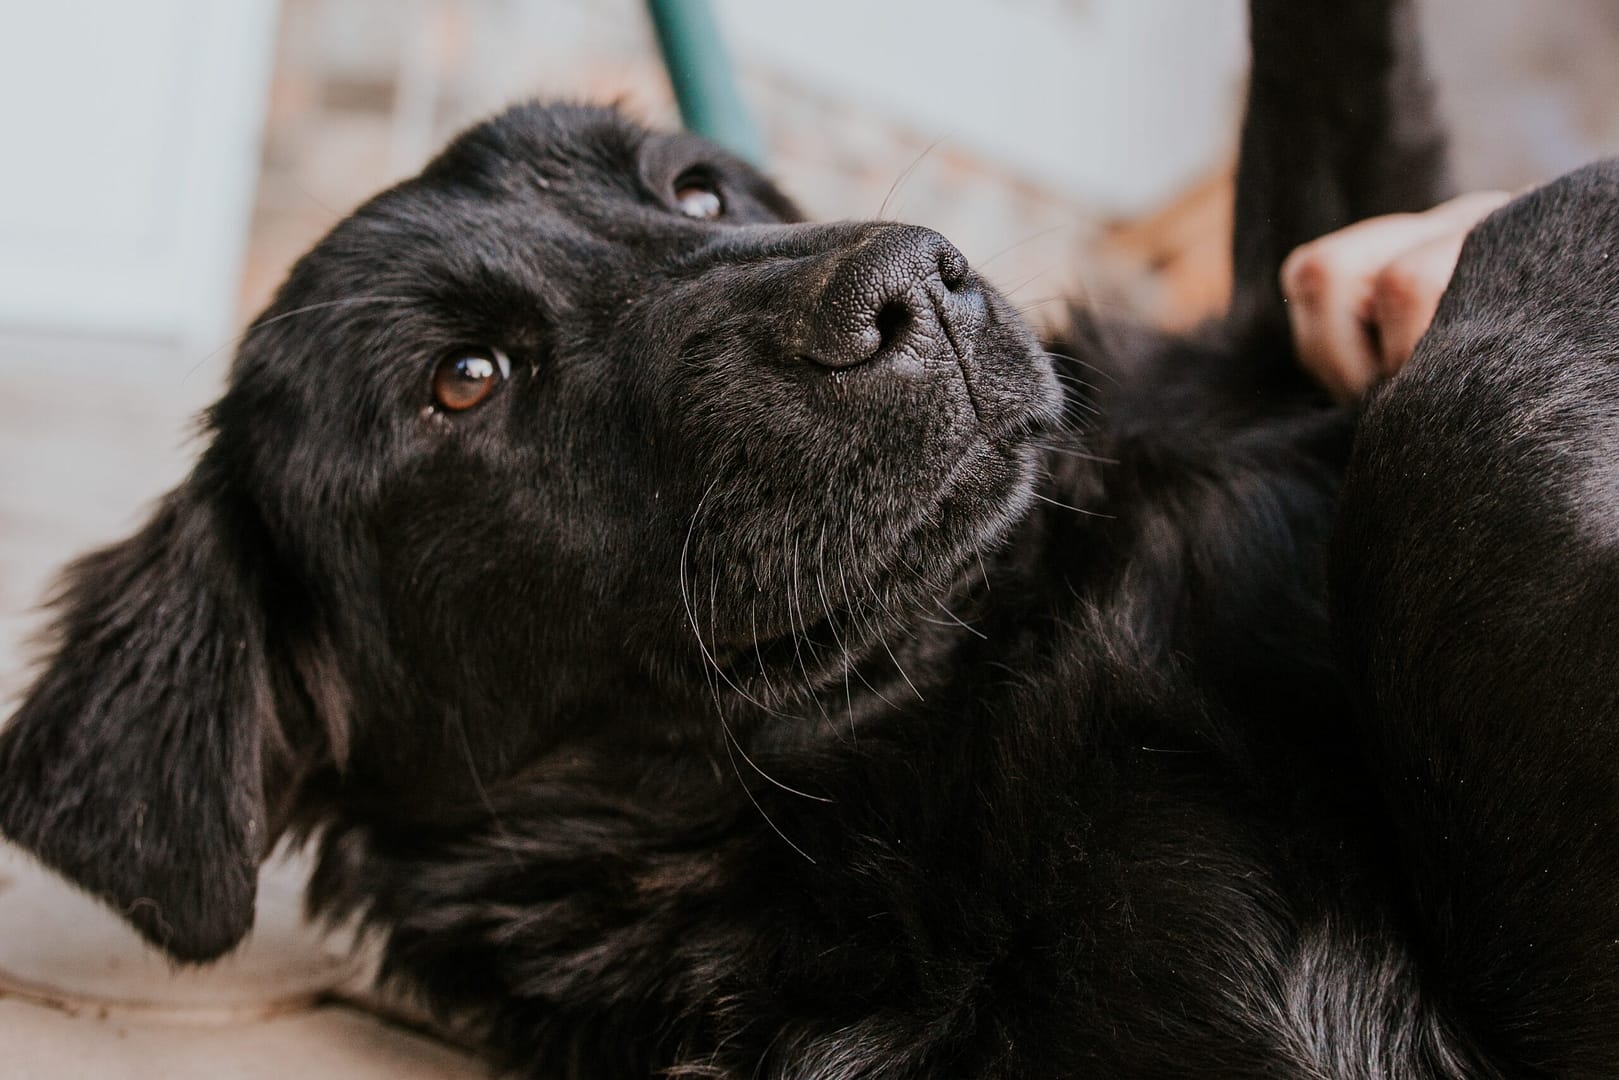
(131, 141)
(1119, 102)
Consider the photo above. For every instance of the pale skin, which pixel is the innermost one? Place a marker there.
(1360, 298)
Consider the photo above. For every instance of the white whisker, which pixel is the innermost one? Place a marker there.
(1066, 506)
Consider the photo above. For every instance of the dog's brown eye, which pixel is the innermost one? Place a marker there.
(697, 197)
(467, 377)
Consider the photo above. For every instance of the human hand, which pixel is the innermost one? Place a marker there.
(1360, 298)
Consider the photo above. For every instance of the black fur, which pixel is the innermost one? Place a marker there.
(792, 670)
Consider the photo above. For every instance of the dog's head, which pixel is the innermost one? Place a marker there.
(524, 448)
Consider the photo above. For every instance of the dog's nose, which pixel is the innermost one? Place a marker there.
(904, 290)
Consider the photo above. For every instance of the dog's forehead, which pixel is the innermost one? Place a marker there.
(588, 163)
(561, 149)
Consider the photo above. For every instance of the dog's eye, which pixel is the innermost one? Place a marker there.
(697, 196)
(467, 377)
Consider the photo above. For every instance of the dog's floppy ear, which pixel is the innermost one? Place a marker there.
(133, 766)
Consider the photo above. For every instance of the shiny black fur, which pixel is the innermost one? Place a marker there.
(726, 699)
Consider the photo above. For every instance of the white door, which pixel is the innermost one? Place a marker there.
(129, 142)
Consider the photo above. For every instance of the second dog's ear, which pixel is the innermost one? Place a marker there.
(134, 765)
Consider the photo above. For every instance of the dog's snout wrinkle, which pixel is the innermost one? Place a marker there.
(963, 357)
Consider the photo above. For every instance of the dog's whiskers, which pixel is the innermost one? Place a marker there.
(1073, 453)
(1032, 306)
(1075, 509)
(1070, 379)
(794, 602)
(730, 742)
(900, 668)
(758, 654)
(832, 624)
(691, 613)
(713, 580)
(971, 629)
(1086, 364)
(883, 617)
(843, 583)
(713, 638)
(712, 668)
(906, 175)
(1029, 239)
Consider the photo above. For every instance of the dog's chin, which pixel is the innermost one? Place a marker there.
(838, 617)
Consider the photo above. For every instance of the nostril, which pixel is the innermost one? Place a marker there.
(891, 292)
(892, 320)
(952, 268)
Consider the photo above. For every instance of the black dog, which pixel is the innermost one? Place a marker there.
(703, 644)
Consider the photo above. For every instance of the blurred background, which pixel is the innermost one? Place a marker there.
(168, 159)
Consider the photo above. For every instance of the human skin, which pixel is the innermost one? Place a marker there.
(1360, 298)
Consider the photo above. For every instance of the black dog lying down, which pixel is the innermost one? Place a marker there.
(712, 645)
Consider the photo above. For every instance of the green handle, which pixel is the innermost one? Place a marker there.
(700, 72)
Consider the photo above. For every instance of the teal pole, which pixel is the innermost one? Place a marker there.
(701, 74)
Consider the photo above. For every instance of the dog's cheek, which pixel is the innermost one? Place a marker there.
(496, 570)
